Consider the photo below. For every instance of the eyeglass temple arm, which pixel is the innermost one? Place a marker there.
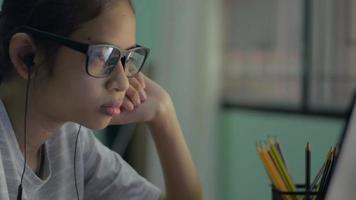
(62, 40)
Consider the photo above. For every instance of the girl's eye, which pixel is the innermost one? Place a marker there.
(99, 56)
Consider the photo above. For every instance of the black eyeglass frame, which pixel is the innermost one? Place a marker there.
(84, 47)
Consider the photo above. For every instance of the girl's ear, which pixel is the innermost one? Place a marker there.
(22, 52)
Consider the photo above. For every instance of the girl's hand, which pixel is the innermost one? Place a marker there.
(145, 100)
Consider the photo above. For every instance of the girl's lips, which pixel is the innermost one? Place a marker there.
(110, 110)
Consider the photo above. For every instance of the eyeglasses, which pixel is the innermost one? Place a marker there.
(101, 59)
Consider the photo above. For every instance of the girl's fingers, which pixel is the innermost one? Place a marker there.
(133, 96)
(139, 88)
(141, 79)
(127, 104)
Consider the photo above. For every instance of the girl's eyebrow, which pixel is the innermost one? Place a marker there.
(106, 43)
(131, 47)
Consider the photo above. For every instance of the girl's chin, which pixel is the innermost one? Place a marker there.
(99, 124)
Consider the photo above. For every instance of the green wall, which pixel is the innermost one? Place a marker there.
(242, 174)
(148, 22)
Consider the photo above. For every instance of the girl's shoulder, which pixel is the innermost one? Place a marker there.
(69, 134)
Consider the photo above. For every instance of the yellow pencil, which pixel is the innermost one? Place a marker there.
(281, 167)
(272, 171)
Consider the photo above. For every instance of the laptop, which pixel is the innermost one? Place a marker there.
(342, 182)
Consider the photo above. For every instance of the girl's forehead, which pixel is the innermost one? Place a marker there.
(115, 25)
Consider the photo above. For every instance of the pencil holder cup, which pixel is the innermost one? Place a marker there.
(301, 194)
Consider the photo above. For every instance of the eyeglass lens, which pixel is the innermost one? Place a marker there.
(103, 59)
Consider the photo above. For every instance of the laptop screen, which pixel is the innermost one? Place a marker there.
(342, 184)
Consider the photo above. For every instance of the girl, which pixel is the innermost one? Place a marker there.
(68, 66)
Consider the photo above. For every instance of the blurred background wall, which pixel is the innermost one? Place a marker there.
(240, 70)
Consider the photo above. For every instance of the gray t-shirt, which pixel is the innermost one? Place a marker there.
(101, 173)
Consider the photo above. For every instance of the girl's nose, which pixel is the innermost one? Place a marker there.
(118, 80)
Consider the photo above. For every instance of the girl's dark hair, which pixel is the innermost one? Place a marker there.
(61, 17)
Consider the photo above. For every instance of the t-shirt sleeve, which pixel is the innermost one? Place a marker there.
(3, 186)
(109, 177)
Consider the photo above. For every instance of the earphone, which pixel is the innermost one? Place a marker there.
(29, 61)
